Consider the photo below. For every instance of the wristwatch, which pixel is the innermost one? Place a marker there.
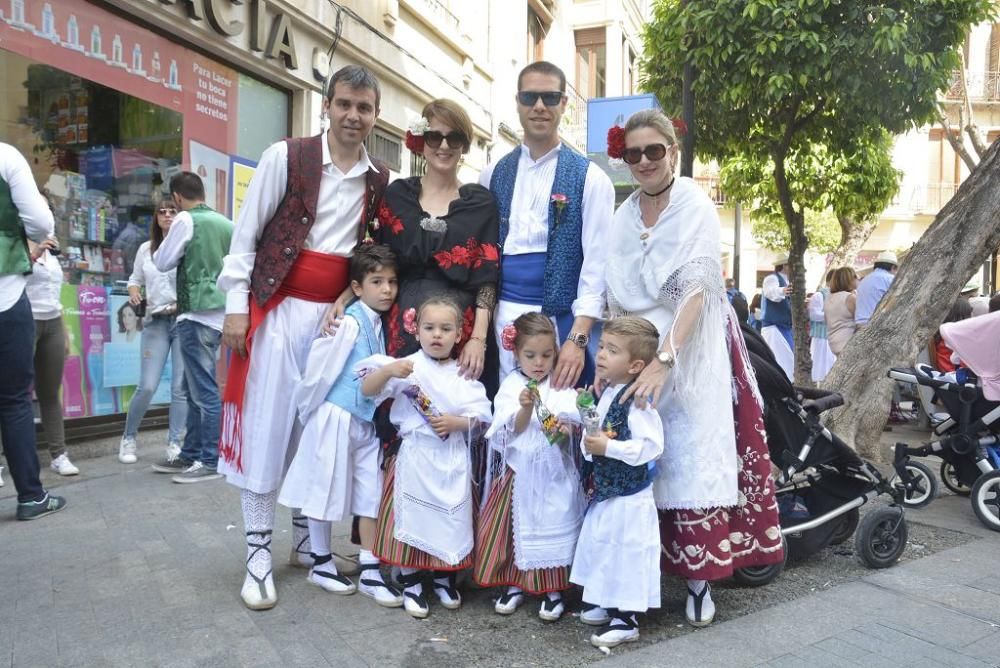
(579, 338)
(666, 358)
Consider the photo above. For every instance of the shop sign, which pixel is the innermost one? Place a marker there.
(271, 33)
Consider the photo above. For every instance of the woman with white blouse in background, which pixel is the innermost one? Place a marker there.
(159, 337)
(51, 347)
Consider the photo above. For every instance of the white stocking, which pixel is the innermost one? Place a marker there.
(258, 521)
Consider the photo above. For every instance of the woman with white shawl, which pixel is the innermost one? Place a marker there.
(717, 506)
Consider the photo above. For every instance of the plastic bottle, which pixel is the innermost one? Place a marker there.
(550, 424)
(588, 412)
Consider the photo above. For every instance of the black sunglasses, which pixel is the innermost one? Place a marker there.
(653, 152)
(172, 212)
(455, 139)
(529, 98)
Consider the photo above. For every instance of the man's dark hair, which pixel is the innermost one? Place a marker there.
(357, 77)
(995, 303)
(888, 266)
(543, 67)
(188, 185)
(371, 257)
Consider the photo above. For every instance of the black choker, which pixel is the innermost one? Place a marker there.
(669, 186)
(438, 359)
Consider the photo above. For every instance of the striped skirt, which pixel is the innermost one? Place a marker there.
(397, 553)
(495, 548)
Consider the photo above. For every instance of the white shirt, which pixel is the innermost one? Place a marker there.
(772, 289)
(817, 311)
(169, 255)
(334, 231)
(161, 287)
(31, 208)
(529, 221)
(44, 285)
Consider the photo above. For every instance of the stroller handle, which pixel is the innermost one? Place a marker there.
(823, 404)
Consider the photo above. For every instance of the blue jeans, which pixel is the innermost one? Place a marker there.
(17, 421)
(159, 337)
(199, 348)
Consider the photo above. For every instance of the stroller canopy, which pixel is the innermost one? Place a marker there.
(977, 342)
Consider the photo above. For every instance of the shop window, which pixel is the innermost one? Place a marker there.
(418, 165)
(536, 36)
(385, 147)
(591, 62)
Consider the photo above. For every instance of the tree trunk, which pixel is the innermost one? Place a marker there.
(800, 310)
(853, 235)
(955, 139)
(962, 236)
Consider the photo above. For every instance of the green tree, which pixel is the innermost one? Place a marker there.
(776, 79)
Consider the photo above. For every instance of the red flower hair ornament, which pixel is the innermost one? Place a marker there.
(410, 321)
(616, 146)
(415, 134)
(508, 335)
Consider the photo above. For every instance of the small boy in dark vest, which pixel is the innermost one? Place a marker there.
(335, 472)
(197, 242)
(617, 559)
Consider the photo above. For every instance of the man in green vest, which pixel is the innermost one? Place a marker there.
(198, 240)
(24, 214)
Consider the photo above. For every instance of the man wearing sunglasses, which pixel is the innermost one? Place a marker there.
(555, 206)
(287, 266)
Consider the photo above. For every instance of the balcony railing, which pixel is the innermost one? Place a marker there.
(713, 188)
(574, 120)
(982, 86)
(925, 198)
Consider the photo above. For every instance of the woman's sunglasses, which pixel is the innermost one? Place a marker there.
(455, 139)
(529, 98)
(168, 212)
(653, 152)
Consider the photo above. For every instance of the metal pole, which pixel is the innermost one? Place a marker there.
(737, 227)
(687, 113)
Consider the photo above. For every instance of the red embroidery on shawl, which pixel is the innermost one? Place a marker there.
(388, 220)
(472, 255)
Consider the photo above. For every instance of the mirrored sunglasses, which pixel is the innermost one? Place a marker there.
(455, 139)
(529, 98)
(653, 152)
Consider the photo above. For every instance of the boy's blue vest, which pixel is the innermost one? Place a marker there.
(613, 477)
(778, 313)
(564, 257)
(346, 391)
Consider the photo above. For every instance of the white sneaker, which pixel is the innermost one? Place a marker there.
(594, 615)
(509, 602)
(552, 608)
(173, 450)
(700, 609)
(126, 450)
(375, 587)
(63, 466)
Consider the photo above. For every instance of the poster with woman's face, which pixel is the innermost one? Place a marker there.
(122, 355)
(126, 325)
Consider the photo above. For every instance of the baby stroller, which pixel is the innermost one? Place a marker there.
(967, 439)
(822, 482)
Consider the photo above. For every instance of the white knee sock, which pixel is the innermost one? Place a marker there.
(258, 520)
(319, 536)
(697, 585)
(417, 588)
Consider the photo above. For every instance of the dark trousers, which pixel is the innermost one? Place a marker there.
(17, 422)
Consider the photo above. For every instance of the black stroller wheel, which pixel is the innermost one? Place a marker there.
(949, 476)
(881, 538)
(925, 485)
(758, 576)
(847, 526)
(986, 499)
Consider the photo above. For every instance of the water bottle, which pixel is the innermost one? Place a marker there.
(549, 422)
(588, 413)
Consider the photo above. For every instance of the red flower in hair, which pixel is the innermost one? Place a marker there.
(680, 127)
(414, 142)
(410, 321)
(616, 142)
(507, 337)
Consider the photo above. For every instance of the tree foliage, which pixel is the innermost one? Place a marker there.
(779, 81)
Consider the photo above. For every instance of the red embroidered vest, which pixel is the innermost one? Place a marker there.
(283, 236)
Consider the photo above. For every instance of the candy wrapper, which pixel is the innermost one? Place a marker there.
(422, 403)
(550, 424)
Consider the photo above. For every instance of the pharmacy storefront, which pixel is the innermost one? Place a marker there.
(109, 100)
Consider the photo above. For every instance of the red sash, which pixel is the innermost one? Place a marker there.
(315, 277)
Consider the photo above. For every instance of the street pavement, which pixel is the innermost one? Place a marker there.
(138, 571)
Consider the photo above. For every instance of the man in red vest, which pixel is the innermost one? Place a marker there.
(307, 207)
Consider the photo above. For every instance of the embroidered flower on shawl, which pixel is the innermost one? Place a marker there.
(395, 343)
(415, 135)
(387, 218)
(434, 224)
(616, 142)
(410, 321)
(468, 320)
(507, 336)
(472, 255)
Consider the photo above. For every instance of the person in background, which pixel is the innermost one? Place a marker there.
(755, 313)
(839, 307)
(733, 292)
(873, 286)
(51, 347)
(777, 318)
(159, 338)
(196, 244)
(940, 353)
(24, 214)
(819, 346)
(980, 303)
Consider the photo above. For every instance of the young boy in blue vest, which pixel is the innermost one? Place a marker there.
(617, 560)
(196, 244)
(335, 473)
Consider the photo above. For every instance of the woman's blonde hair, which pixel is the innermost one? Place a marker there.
(451, 114)
(655, 119)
